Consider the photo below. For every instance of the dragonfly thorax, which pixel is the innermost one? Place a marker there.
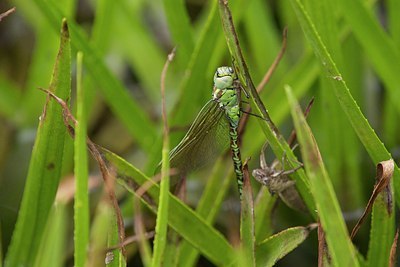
(225, 93)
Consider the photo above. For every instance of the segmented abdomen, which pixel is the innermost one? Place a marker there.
(237, 160)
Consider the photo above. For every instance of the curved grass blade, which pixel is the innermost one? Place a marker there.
(181, 218)
(274, 248)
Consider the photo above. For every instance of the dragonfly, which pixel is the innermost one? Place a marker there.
(215, 126)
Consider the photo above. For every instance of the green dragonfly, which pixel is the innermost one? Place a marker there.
(215, 125)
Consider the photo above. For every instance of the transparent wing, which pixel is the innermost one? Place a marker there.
(207, 137)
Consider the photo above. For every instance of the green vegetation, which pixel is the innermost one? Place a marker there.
(100, 76)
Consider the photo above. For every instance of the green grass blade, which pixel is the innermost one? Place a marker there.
(379, 47)
(301, 76)
(98, 237)
(391, 129)
(366, 134)
(144, 245)
(115, 94)
(44, 169)
(181, 31)
(143, 55)
(117, 259)
(160, 240)
(102, 30)
(180, 217)
(53, 243)
(339, 244)
(247, 223)
(382, 227)
(382, 231)
(263, 38)
(353, 149)
(274, 248)
(46, 43)
(81, 203)
(323, 14)
(343, 146)
(209, 205)
(264, 205)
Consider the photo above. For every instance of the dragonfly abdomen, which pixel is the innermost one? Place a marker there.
(236, 157)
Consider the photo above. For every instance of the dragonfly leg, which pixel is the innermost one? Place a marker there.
(263, 162)
(287, 172)
(291, 170)
(243, 89)
(255, 115)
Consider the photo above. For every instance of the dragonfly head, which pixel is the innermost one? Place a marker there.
(224, 77)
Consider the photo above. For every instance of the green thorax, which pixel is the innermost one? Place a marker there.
(226, 93)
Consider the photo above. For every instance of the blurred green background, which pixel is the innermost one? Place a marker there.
(125, 44)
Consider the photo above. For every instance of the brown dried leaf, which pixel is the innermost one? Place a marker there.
(384, 173)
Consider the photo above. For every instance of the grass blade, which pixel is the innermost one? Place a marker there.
(383, 219)
(115, 257)
(81, 203)
(98, 238)
(160, 239)
(209, 205)
(380, 48)
(112, 89)
(46, 43)
(274, 248)
(247, 222)
(264, 205)
(44, 170)
(330, 215)
(180, 217)
(54, 239)
(179, 25)
(366, 134)
(142, 56)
